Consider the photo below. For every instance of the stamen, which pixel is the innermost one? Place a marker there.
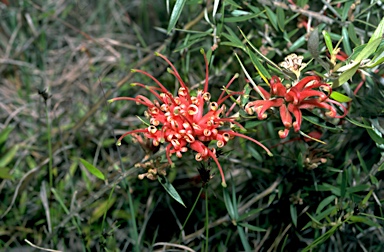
(213, 106)
(182, 92)
(220, 144)
(154, 122)
(198, 157)
(207, 96)
(193, 109)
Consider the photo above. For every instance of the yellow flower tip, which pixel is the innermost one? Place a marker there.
(133, 70)
(223, 184)
(157, 54)
(111, 100)
(202, 51)
(270, 154)
(236, 75)
(118, 143)
(169, 70)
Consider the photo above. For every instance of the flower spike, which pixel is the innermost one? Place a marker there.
(186, 121)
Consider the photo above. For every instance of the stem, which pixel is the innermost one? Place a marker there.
(193, 207)
(132, 212)
(49, 147)
(126, 186)
(206, 221)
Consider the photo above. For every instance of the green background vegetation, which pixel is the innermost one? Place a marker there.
(65, 185)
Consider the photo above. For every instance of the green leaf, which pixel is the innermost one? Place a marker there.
(322, 238)
(228, 204)
(359, 124)
(340, 97)
(346, 9)
(378, 33)
(4, 173)
(241, 18)
(293, 211)
(375, 137)
(346, 75)
(177, 9)
(189, 44)
(298, 43)
(313, 120)
(230, 44)
(270, 62)
(352, 34)
(249, 214)
(232, 37)
(272, 197)
(101, 208)
(347, 46)
(259, 67)
(244, 239)
(374, 181)
(366, 198)
(363, 219)
(328, 42)
(300, 164)
(92, 169)
(233, 3)
(311, 223)
(254, 9)
(244, 100)
(4, 134)
(8, 156)
(372, 216)
(358, 188)
(325, 202)
(381, 167)
(170, 189)
(251, 227)
(255, 154)
(327, 187)
(280, 18)
(234, 201)
(60, 200)
(343, 186)
(368, 50)
(272, 17)
(362, 162)
(377, 60)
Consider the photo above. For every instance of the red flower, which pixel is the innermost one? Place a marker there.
(304, 95)
(185, 121)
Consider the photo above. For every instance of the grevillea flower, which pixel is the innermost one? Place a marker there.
(294, 64)
(308, 93)
(185, 121)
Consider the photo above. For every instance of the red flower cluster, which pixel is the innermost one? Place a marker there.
(306, 94)
(185, 121)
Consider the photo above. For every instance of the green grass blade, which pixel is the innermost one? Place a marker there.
(177, 9)
(92, 169)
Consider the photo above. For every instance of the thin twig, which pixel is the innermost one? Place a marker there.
(297, 9)
(45, 249)
(173, 245)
